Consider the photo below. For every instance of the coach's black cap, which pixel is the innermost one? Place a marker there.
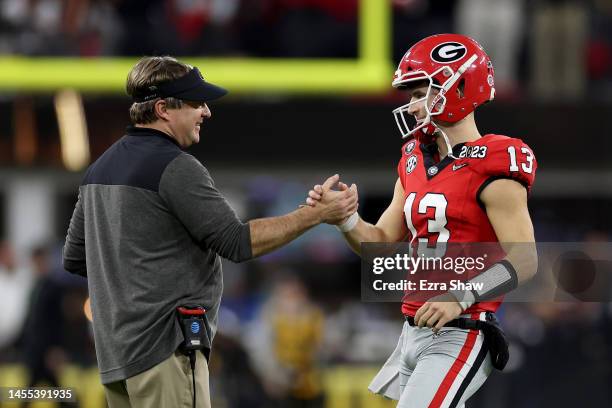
(189, 87)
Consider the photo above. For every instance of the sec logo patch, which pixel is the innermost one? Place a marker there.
(411, 164)
(410, 147)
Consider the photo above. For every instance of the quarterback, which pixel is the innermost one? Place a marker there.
(454, 185)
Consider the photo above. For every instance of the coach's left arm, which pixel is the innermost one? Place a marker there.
(73, 253)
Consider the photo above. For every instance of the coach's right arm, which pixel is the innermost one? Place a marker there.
(191, 195)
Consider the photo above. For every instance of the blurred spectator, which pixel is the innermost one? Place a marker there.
(234, 383)
(58, 27)
(42, 337)
(199, 27)
(600, 49)
(254, 25)
(558, 358)
(15, 283)
(297, 28)
(417, 19)
(498, 26)
(286, 346)
(317, 28)
(190, 27)
(568, 41)
(140, 22)
(353, 332)
(567, 327)
(558, 48)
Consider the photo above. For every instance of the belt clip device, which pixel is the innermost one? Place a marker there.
(191, 318)
(193, 325)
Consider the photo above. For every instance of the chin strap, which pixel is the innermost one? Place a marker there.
(449, 149)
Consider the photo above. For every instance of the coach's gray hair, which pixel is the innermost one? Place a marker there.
(152, 71)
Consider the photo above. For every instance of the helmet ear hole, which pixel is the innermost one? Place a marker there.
(461, 89)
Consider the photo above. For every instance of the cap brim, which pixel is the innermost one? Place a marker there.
(202, 93)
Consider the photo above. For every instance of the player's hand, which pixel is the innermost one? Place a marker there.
(316, 193)
(335, 206)
(438, 311)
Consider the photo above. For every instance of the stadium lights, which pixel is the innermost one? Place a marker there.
(73, 130)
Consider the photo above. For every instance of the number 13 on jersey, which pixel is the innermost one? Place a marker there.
(436, 226)
(526, 166)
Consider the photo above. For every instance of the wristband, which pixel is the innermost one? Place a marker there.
(349, 224)
(496, 281)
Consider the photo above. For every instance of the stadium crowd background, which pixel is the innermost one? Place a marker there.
(293, 331)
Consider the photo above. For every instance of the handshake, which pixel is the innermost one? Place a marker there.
(333, 206)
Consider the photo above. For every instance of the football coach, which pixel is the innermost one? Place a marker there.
(148, 231)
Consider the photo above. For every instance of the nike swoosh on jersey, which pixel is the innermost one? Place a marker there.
(457, 167)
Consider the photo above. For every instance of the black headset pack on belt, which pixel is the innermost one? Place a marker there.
(495, 338)
(196, 335)
(195, 328)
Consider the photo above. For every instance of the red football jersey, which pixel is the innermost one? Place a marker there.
(442, 198)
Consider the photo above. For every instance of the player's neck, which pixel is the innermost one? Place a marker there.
(461, 132)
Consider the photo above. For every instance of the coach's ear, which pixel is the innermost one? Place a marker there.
(161, 109)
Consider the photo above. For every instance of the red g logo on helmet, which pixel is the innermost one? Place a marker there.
(448, 52)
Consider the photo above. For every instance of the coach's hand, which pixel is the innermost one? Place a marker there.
(316, 193)
(438, 311)
(336, 206)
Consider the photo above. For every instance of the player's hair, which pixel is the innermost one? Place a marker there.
(152, 71)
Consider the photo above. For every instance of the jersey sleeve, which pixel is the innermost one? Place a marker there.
(509, 158)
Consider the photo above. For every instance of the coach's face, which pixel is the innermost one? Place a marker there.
(185, 122)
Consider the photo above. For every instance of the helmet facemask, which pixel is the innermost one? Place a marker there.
(403, 118)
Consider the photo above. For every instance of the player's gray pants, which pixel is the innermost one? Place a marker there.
(427, 371)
